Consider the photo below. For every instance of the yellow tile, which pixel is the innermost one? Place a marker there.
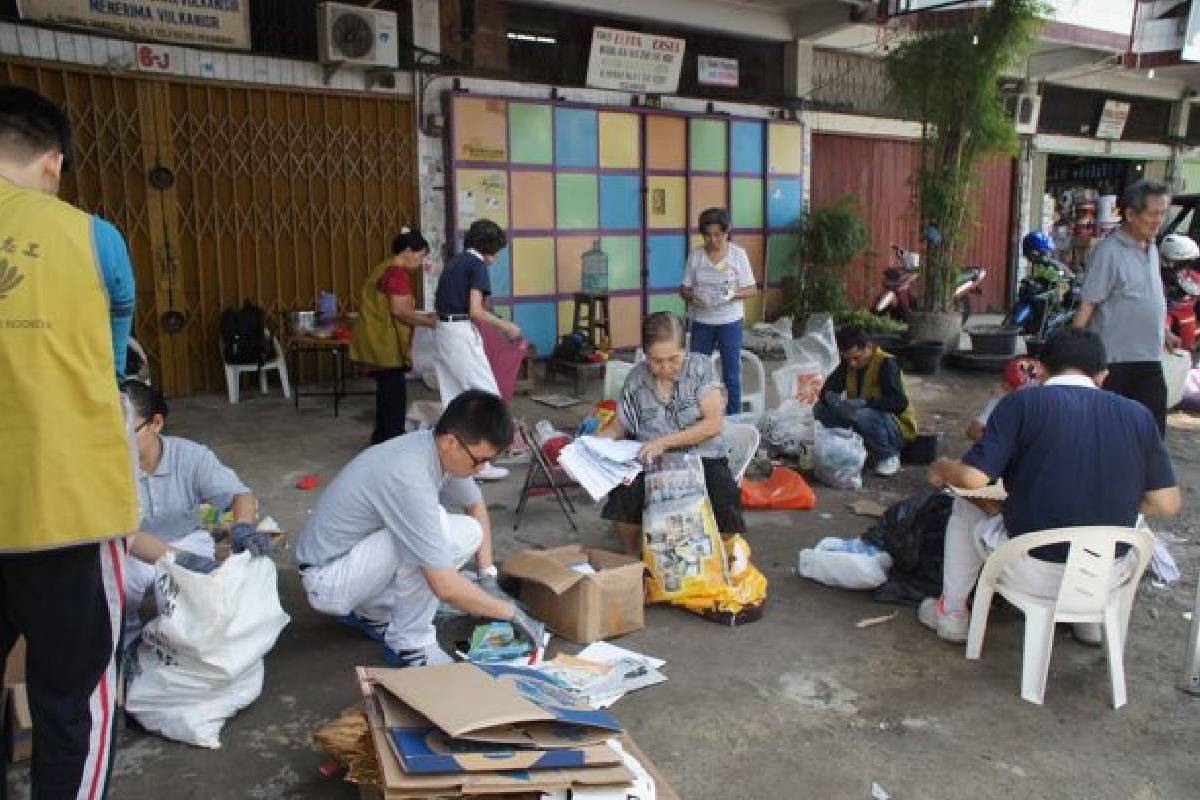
(620, 141)
(533, 265)
(566, 317)
(570, 262)
(482, 194)
(479, 129)
(785, 149)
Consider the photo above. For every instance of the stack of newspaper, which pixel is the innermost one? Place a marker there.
(599, 464)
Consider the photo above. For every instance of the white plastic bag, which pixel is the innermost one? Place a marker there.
(818, 345)
(838, 457)
(1191, 391)
(789, 427)
(844, 564)
(199, 661)
(1176, 366)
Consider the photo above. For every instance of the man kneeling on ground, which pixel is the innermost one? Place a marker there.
(379, 551)
(1070, 455)
(875, 404)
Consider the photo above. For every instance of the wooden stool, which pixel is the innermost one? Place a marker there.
(591, 316)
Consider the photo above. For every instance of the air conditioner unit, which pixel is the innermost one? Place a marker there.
(1025, 112)
(356, 36)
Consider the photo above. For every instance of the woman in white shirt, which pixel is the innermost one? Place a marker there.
(715, 281)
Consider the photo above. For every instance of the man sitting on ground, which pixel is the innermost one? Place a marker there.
(380, 552)
(1070, 455)
(875, 404)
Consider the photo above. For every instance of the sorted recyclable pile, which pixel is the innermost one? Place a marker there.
(469, 730)
(600, 464)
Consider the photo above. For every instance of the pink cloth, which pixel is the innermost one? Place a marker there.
(505, 356)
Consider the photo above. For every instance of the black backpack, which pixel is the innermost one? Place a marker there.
(244, 337)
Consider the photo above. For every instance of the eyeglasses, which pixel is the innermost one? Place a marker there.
(476, 461)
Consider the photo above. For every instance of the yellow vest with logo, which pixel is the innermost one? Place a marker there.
(379, 338)
(66, 474)
(870, 391)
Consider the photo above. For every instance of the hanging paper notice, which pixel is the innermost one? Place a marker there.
(208, 23)
(1112, 120)
(481, 194)
(634, 62)
(714, 71)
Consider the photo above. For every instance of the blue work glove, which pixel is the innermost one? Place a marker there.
(246, 537)
(194, 562)
(528, 627)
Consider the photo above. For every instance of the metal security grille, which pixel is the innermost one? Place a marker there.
(277, 194)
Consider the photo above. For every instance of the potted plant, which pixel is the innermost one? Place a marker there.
(827, 240)
(948, 78)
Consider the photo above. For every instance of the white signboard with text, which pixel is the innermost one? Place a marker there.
(1112, 119)
(634, 62)
(715, 71)
(207, 23)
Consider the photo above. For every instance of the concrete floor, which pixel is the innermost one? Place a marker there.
(799, 705)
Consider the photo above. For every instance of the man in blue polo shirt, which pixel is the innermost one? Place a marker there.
(1070, 454)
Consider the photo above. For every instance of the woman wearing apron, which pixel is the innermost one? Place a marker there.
(460, 360)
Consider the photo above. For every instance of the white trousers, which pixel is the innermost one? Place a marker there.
(379, 581)
(139, 577)
(460, 361)
(972, 535)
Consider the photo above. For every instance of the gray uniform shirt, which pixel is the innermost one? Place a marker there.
(187, 475)
(1123, 281)
(395, 485)
(646, 418)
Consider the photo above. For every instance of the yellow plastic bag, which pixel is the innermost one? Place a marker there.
(689, 564)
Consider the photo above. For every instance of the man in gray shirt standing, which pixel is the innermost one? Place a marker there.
(1123, 300)
(380, 551)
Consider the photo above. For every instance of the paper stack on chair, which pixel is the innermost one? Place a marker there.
(462, 730)
(600, 464)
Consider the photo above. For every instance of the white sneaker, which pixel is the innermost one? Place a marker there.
(492, 473)
(888, 467)
(951, 627)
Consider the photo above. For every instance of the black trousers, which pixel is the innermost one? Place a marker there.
(391, 403)
(1142, 381)
(69, 605)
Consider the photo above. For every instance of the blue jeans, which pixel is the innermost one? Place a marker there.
(879, 430)
(727, 339)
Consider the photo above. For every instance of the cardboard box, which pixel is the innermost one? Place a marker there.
(582, 607)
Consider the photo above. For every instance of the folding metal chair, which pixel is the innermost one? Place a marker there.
(542, 476)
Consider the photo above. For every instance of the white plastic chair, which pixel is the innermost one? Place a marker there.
(1085, 595)
(741, 439)
(615, 373)
(754, 382)
(233, 373)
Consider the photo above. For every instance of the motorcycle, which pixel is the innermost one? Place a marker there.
(898, 298)
(1181, 285)
(1047, 299)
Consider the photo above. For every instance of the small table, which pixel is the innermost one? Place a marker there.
(582, 371)
(338, 349)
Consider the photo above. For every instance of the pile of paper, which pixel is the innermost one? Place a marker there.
(603, 673)
(462, 730)
(600, 464)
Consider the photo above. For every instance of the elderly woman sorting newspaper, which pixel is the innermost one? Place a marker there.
(672, 401)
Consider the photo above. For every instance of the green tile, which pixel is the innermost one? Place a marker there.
(624, 261)
(747, 203)
(781, 256)
(708, 147)
(530, 134)
(576, 201)
(504, 312)
(667, 302)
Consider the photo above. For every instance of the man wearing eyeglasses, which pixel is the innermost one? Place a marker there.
(380, 550)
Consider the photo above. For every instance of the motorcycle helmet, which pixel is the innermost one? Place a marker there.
(1022, 370)
(1175, 247)
(1036, 246)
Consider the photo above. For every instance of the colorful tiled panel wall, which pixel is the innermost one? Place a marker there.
(559, 177)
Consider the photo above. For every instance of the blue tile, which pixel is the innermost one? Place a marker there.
(668, 255)
(539, 324)
(501, 274)
(576, 137)
(783, 203)
(747, 146)
(620, 202)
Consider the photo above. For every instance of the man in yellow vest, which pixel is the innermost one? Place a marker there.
(875, 402)
(67, 492)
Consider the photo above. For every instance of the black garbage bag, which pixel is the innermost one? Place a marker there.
(913, 533)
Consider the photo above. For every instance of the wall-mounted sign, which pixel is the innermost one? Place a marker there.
(715, 71)
(1112, 120)
(206, 23)
(634, 62)
(1191, 35)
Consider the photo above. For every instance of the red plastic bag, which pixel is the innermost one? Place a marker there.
(785, 490)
